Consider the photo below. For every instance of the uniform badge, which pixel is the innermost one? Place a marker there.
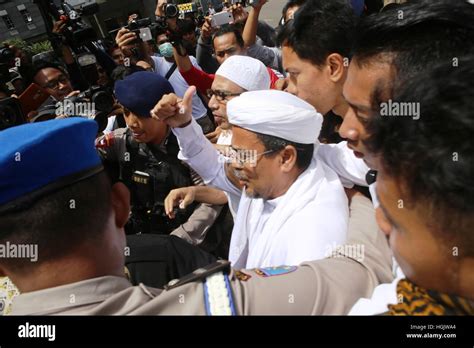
(275, 271)
(242, 276)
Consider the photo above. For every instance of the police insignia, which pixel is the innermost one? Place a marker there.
(275, 271)
(242, 276)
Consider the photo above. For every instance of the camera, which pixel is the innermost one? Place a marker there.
(77, 32)
(6, 62)
(96, 103)
(143, 28)
(11, 114)
(171, 11)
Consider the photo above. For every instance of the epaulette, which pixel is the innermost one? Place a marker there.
(200, 274)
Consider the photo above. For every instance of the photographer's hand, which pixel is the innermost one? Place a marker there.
(58, 27)
(250, 30)
(125, 41)
(175, 112)
(206, 30)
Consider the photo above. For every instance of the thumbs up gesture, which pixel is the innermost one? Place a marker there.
(172, 110)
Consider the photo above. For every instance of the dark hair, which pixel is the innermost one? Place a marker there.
(47, 64)
(112, 48)
(57, 226)
(416, 34)
(226, 29)
(186, 26)
(432, 158)
(304, 152)
(291, 3)
(320, 28)
(121, 72)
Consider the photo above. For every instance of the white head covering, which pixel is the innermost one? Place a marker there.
(247, 72)
(276, 113)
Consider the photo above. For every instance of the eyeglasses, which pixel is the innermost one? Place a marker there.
(220, 95)
(54, 84)
(243, 157)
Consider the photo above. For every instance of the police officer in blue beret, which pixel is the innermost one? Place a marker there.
(146, 154)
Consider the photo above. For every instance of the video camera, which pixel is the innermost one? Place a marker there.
(96, 103)
(77, 32)
(11, 114)
(6, 62)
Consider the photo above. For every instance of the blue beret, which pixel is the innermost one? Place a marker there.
(38, 158)
(140, 91)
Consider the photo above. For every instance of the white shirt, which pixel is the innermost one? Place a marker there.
(162, 66)
(299, 226)
(351, 170)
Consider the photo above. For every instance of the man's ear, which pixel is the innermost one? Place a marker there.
(289, 156)
(337, 66)
(120, 196)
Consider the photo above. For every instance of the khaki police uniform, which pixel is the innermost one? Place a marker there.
(329, 286)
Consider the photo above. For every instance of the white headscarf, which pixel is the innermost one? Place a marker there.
(276, 113)
(247, 72)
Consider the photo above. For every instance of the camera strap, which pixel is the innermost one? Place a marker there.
(171, 71)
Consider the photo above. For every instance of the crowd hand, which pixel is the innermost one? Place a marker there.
(239, 13)
(260, 5)
(73, 94)
(213, 136)
(125, 40)
(58, 27)
(173, 111)
(281, 84)
(181, 198)
(207, 30)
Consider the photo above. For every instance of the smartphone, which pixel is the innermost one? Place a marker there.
(145, 34)
(253, 3)
(221, 18)
(32, 98)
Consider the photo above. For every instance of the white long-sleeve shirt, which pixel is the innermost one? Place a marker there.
(301, 225)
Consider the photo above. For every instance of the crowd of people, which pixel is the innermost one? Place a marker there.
(321, 167)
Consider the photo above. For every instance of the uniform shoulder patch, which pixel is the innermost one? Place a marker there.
(275, 271)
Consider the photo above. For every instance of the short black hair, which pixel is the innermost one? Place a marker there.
(415, 35)
(304, 152)
(48, 64)
(226, 29)
(122, 71)
(320, 28)
(432, 158)
(186, 26)
(59, 222)
(291, 3)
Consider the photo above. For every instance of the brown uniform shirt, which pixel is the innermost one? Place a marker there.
(329, 286)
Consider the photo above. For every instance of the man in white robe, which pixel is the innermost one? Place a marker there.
(293, 207)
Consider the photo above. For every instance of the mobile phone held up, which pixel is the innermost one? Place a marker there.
(221, 18)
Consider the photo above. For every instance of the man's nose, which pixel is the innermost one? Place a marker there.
(291, 87)
(213, 105)
(348, 129)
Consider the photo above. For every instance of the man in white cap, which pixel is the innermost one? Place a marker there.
(293, 207)
(236, 75)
